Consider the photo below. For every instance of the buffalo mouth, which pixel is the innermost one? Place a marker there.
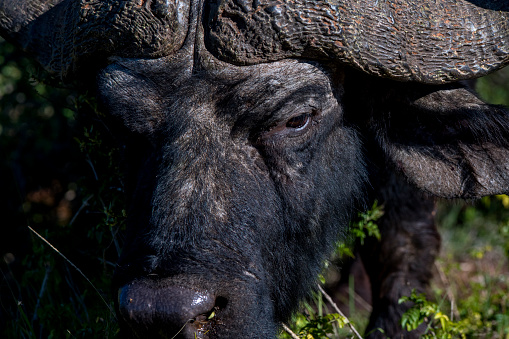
(205, 324)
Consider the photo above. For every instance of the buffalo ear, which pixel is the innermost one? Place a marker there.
(132, 101)
(445, 140)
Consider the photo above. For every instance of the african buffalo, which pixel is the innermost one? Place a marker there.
(254, 131)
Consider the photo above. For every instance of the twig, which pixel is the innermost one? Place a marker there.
(106, 262)
(182, 328)
(92, 166)
(115, 241)
(83, 205)
(329, 299)
(363, 303)
(77, 295)
(290, 332)
(41, 291)
(75, 267)
(113, 234)
(447, 285)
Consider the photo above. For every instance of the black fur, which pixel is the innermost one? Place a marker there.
(229, 200)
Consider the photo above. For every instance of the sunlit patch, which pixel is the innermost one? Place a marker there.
(198, 300)
(249, 274)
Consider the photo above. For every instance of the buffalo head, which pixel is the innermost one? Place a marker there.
(253, 130)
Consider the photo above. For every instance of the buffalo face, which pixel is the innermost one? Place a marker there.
(240, 178)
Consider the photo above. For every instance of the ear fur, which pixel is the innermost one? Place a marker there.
(444, 139)
(131, 99)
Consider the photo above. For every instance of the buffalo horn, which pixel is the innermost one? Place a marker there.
(430, 41)
(62, 34)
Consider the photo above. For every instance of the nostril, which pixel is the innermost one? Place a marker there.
(145, 302)
(221, 302)
(210, 315)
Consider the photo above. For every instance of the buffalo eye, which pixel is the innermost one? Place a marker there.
(299, 122)
(297, 126)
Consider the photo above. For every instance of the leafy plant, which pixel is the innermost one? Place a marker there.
(322, 326)
(438, 325)
(364, 226)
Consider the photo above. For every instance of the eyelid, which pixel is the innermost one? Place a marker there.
(281, 129)
(292, 107)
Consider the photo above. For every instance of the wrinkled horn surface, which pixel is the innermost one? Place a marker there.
(432, 41)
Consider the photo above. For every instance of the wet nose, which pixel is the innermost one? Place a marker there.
(146, 305)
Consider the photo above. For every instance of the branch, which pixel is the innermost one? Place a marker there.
(290, 332)
(75, 267)
(329, 299)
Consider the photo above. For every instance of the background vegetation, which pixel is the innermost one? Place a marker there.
(59, 175)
